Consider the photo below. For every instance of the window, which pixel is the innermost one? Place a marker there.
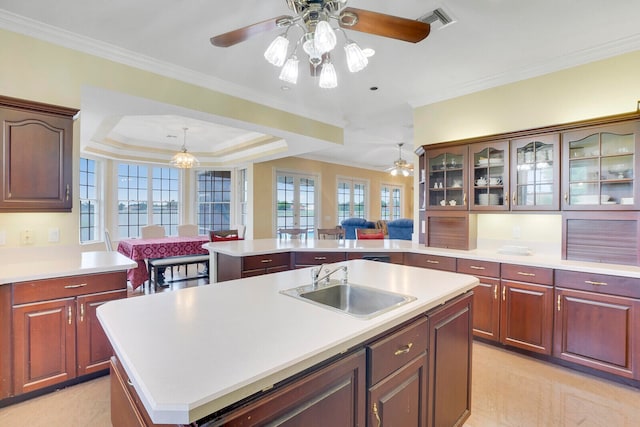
(296, 201)
(390, 202)
(352, 199)
(89, 205)
(243, 196)
(135, 194)
(214, 200)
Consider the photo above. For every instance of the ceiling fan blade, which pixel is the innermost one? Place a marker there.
(241, 34)
(394, 27)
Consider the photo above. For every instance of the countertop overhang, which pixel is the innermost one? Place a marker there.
(195, 351)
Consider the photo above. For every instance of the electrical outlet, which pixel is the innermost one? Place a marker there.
(516, 232)
(27, 236)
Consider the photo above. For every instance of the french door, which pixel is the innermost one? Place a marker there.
(296, 201)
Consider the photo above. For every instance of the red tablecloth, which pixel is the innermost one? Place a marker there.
(140, 250)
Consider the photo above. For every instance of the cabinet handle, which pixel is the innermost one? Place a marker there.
(589, 282)
(67, 193)
(522, 273)
(476, 267)
(559, 299)
(266, 261)
(82, 312)
(319, 258)
(80, 285)
(375, 412)
(495, 291)
(432, 261)
(69, 314)
(566, 197)
(464, 199)
(504, 293)
(404, 349)
(513, 198)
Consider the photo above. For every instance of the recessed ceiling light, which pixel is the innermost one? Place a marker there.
(374, 88)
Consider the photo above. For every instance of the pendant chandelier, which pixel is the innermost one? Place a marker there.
(183, 159)
(318, 41)
(401, 166)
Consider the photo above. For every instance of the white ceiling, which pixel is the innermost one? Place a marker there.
(492, 42)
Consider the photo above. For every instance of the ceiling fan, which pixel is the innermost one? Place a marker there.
(400, 166)
(319, 38)
(310, 12)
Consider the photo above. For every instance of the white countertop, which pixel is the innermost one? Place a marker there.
(263, 246)
(59, 262)
(194, 351)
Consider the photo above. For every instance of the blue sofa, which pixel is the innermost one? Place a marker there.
(400, 229)
(350, 225)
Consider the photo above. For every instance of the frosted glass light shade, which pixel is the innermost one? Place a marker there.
(328, 77)
(356, 60)
(324, 38)
(394, 172)
(289, 72)
(184, 160)
(276, 53)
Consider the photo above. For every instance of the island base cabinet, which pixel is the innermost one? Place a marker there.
(401, 398)
(450, 347)
(598, 331)
(332, 396)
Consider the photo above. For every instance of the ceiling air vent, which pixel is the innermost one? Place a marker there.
(437, 15)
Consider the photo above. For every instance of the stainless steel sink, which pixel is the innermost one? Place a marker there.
(355, 300)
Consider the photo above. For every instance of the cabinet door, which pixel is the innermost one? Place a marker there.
(486, 309)
(489, 176)
(535, 173)
(94, 349)
(447, 178)
(598, 331)
(401, 398)
(44, 344)
(601, 165)
(332, 396)
(526, 319)
(36, 159)
(450, 339)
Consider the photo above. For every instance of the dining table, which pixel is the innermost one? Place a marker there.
(140, 250)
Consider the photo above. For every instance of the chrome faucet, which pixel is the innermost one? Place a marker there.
(316, 278)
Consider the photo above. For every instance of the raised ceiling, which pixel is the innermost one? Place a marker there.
(492, 42)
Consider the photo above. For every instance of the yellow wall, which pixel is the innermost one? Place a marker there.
(44, 72)
(263, 194)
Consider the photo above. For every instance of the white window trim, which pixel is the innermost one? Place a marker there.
(100, 194)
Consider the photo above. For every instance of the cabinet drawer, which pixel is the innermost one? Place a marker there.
(479, 268)
(526, 273)
(317, 258)
(430, 261)
(392, 352)
(255, 262)
(70, 286)
(599, 283)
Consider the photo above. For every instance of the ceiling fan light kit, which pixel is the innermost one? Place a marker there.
(401, 166)
(319, 37)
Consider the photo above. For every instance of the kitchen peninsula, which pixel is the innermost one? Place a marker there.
(243, 351)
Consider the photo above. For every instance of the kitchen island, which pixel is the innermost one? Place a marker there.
(209, 353)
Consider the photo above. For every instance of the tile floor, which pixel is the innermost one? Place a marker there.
(509, 390)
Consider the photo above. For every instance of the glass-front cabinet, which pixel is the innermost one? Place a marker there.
(535, 172)
(601, 164)
(447, 178)
(489, 176)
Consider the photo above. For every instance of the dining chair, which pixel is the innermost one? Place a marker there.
(330, 233)
(188, 230)
(293, 233)
(369, 234)
(152, 231)
(107, 241)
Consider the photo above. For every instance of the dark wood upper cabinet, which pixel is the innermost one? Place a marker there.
(489, 186)
(36, 156)
(447, 178)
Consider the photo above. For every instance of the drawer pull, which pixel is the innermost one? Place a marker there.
(476, 267)
(319, 258)
(522, 273)
(80, 285)
(590, 282)
(266, 261)
(432, 261)
(404, 349)
(375, 413)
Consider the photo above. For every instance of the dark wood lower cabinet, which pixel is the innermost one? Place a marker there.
(450, 349)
